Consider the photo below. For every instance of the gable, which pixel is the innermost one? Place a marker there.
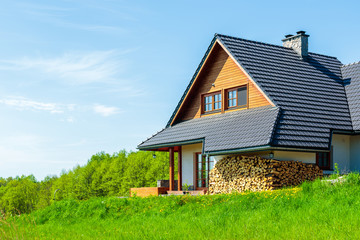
(218, 73)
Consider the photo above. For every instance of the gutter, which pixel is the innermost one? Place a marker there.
(356, 132)
(174, 144)
(262, 148)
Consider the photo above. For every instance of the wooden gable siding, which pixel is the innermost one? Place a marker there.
(222, 71)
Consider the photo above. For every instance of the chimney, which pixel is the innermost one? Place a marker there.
(298, 42)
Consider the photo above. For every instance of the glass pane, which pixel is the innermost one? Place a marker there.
(216, 106)
(210, 99)
(242, 93)
(199, 183)
(234, 102)
(208, 107)
(323, 159)
(212, 164)
(230, 103)
(216, 98)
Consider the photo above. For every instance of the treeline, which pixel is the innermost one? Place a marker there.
(103, 175)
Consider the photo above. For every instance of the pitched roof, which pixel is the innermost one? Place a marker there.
(351, 76)
(309, 93)
(234, 130)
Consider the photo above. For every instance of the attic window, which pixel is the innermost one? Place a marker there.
(211, 102)
(236, 97)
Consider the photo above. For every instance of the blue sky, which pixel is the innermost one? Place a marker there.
(79, 77)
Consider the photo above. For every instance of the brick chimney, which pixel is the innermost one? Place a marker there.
(298, 42)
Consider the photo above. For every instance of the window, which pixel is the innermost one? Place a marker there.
(212, 102)
(236, 97)
(323, 160)
(203, 167)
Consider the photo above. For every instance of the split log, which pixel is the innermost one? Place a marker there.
(244, 173)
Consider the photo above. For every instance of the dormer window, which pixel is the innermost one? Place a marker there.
(236, 97)
(212, 102)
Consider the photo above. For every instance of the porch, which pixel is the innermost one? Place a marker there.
(192, 172)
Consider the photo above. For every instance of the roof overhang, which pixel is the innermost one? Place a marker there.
(171, 144)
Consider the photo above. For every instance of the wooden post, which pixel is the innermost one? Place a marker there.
(179, 169)
(171, 169)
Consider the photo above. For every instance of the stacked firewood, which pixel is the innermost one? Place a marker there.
(252, 173)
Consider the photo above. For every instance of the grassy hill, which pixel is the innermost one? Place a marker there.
(318, 210)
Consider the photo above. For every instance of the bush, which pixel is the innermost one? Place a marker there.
(103, 175)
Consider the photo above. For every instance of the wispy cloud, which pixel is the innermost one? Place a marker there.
(74, 68)
(21, 103)
(91, 27)
(105, 111)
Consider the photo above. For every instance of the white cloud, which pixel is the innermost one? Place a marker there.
(68, 119)
(73, 68)
(21, 103)
(105, 111)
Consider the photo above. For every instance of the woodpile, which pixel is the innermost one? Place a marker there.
(244, 173)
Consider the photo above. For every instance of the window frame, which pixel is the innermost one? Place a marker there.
(226, 98)
(205, 178)
(328, 160)
(212, 95)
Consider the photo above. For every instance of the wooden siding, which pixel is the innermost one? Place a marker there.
(222, 71)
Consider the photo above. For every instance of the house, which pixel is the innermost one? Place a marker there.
(280, 102)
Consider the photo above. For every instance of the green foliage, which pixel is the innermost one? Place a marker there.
(19, 195)
(336, 170)
(315, 210)
(186, 187)
(103, 175)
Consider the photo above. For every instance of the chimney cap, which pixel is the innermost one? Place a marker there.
(288, 35)
(300, 32)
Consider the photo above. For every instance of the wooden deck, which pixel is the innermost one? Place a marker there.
(148, 191)
(156, 191)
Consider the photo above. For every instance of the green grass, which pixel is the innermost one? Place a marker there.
(318, 210)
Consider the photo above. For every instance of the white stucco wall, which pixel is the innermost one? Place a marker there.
(341, 152)
(355, 153)
(306, 157)
(188, 161)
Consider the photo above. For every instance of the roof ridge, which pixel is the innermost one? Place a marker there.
(269, 44)
(349, 64)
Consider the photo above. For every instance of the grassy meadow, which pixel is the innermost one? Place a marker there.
(317, 210)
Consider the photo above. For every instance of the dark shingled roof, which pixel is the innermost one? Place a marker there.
(234, 130)
(309, 92)
(351, 76)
